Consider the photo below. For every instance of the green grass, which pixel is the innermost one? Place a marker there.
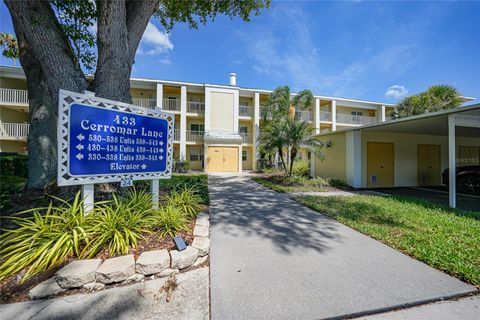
(179, 181)
(446, 239)
(282, 183)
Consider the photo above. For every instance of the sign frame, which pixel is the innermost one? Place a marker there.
(68, 98)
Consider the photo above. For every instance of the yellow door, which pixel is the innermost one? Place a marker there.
(380, 165)
(428, 165)
(215, 159)
(222, 159)
(230, 159)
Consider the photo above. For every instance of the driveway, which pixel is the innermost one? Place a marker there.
(466, 202)
(272, 258)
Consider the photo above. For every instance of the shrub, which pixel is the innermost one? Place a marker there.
(186, 200)
(169, 220)
(44, 241)
(14, 165)
(140, 199)
(337, 183)
(9, 185)
(301, 168)
(118, 225)
(177, 182)
(180, 165)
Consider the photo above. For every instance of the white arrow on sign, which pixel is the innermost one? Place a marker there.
(144, 166)
(79, 156)
(161, 150)
(161, 143)
(80, 146)
(161, 157)
(80, 137)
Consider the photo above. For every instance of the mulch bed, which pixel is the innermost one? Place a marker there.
(13, 291)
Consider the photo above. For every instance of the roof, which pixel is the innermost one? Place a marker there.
(433, 123)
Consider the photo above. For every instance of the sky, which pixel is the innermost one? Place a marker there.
(379, 51)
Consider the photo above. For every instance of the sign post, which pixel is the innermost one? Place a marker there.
(101, 140)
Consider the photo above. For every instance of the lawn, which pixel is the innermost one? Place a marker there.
(444, 238)
(282, 183)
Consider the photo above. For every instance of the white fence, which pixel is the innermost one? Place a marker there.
(14, 130)
(13, 96)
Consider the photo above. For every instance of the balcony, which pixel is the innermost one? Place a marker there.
(245, 111)
(325, 116)
(303, 115)
(176, 135)
(196, 107)
(171, 104)
(247, 137)
(13, 97)
(353, 119)
(146, 103)
(195, 136)
(14, 131)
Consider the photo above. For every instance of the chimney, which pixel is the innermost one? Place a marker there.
(233, 79)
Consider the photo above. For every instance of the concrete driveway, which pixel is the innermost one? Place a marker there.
(272, 258)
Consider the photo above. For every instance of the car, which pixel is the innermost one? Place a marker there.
(468, 179)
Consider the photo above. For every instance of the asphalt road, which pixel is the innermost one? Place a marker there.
(272, 258)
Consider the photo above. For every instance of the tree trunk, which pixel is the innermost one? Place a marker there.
(293, 155)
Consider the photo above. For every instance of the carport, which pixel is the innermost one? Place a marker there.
(388, 154)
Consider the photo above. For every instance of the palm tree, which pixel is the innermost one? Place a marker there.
(435, 98)
(283, 132)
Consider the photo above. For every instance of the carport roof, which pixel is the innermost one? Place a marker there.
(435, 123)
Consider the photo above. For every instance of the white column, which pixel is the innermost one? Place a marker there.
(236, 100)
(451, 162)
(159, 96)
(88, 194)
(183, 122)
(354, 158)
(154, 189)
(256, 129)
(317, 116)
(382, 113)
(334, 115)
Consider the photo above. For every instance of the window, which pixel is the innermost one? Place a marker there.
(243, 129)
(244, 155)
(196, 154)
(197, 127)
(357, 113)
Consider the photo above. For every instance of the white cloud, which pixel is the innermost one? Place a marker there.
(396, 91)
(154, 41)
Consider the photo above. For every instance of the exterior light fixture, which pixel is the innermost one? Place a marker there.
(179, 243)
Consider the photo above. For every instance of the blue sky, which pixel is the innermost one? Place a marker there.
(363, 50)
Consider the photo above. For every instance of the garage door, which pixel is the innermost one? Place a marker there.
(222, 159)
(380, 165)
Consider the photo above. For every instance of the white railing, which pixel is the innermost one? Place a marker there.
(247, 137)
(195, 136)
(176, 134)
(14, 130)
(325, 116)
(245, 111)
(303, 115)
(352, 119)
(171, 104)
(195, 107)
(146, 103)
(13, 96)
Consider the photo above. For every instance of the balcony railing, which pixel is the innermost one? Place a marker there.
(13, 96)
(195, 136)
(247, 137)
(14, 130)
(352, 119)
(146, 103)
(303, 115)
(176, 134)
(195, 107)
(325, 116)
(171, 104)
(245, 111)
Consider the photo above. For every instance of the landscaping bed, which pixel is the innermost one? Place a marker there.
(444, 238)
(43, 240)
(295, 183)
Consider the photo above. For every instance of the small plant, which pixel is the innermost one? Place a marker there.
(140, 199)
(119, 225)
(45, 240)
(186, 200)
(181, 165)
(301, 168)
(170, 221)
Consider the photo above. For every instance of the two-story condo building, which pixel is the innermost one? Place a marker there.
(216, 126)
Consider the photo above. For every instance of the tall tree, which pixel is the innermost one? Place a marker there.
(435, 98)
(55, 38)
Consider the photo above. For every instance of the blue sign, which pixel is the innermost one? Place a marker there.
(105, 141)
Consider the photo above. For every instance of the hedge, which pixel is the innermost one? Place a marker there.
(14, 165)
